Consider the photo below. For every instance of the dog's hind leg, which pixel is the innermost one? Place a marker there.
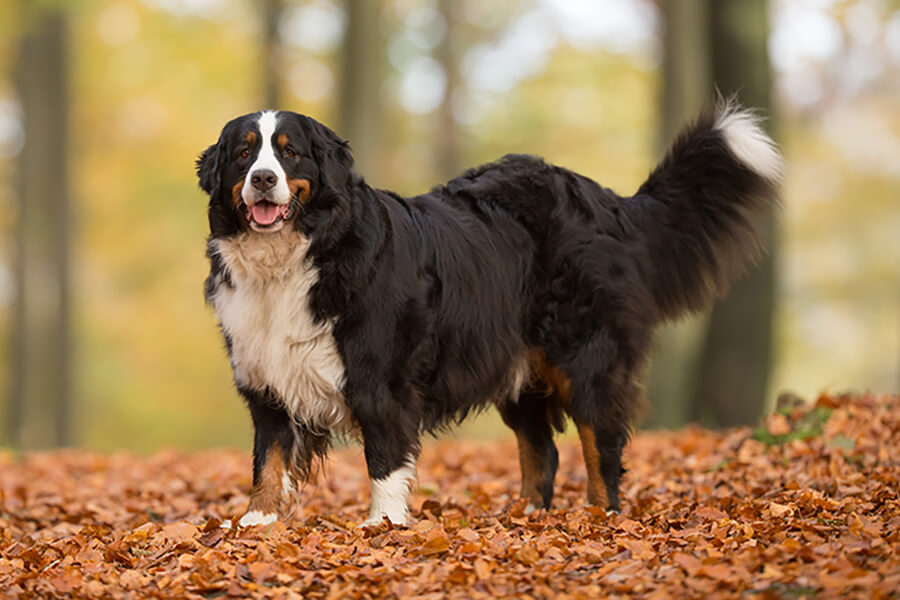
(532, 417)
(600, 407)
(602, 450)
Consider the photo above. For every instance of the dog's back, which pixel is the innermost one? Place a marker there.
(550, 286)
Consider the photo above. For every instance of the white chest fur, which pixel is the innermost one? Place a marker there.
(275, 342)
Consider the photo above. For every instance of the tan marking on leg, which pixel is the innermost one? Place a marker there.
(596, 486)
(532, 471)
(268, 495)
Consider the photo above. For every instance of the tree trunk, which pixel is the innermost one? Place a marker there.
(39, 410)
(686, 68)
(686, 89)
(736, 356)
(360, 93)
(448, 143)
(272, 53)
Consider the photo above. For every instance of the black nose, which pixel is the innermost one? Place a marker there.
(263, 179)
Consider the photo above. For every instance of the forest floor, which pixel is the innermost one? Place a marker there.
(808, 505)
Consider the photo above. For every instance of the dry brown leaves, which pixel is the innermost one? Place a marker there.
(705, 515)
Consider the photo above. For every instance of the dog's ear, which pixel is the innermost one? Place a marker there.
(333, 156)
(334, 192)
(209, 169)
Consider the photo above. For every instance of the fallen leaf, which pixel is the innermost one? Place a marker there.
(687, 562)
(779, 510)
(639, 549)
(436, 545)
(527, 555)
(799, 516)
(483, 569)
(710, 513)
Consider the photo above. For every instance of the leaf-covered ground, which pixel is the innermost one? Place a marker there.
(806, 506)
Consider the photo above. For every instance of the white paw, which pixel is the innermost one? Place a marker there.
(397, 519)
(389, 496)
(530, 508)
(226, 524)
(371, 522)
(255, 517)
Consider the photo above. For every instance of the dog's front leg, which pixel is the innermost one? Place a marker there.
(274, 484)
(391, 448)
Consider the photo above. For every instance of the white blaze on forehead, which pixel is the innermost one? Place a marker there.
(267, 159)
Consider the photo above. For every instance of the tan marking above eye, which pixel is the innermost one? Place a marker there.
(283, 140)
(250, 138)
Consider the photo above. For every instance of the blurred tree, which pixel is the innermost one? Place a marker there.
(272, 12)
(686, 76)
(39, 411)
(360, 91)
(685, 90)
(448, 152)
(735, 361)
(719, 378)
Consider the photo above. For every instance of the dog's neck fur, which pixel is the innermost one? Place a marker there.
(276, 342)
(253, 257)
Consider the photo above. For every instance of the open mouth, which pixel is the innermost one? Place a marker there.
(266, 215)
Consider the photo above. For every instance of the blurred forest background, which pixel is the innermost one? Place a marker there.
(105, 341)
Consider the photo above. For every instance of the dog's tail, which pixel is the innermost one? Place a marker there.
(699, 207)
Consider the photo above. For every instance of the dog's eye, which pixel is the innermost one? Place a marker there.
(289, 153)
(245, 152)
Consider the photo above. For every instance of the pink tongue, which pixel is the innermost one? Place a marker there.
(265, 213)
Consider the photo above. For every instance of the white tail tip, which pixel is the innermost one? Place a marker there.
(747, 140)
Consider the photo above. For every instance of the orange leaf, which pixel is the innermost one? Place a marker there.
(778, 424)
(436, 545)
(710, 513)
(178, 532)
(133, 580)
(718, 572)
(780, 510)
(687, 562)
(527, 555)
(259, 570)
(483, 569)
(639, 549)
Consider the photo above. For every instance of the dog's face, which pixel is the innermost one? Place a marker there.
(267, 166)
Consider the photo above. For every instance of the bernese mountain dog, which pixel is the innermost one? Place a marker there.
(349, 309)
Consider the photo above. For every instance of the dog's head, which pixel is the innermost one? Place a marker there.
(269, 167)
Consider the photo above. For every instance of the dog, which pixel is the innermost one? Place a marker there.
(519, 284)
